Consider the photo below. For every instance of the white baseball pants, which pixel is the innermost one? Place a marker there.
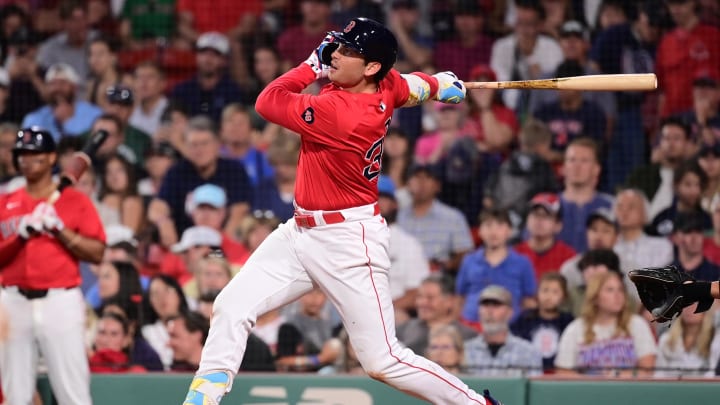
(56, 325)
(349, 262)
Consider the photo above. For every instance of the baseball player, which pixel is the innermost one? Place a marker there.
(40, 246)
(337, 240)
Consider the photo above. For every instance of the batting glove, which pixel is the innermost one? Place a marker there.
(319, 59)
(451, 90)
(50, 220)
(30, 225)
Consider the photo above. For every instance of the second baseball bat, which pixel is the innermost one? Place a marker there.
(619, 82)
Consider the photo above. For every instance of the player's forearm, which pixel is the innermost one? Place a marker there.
(82, 247)
(9, 249)
(421, 86)
(272, 100)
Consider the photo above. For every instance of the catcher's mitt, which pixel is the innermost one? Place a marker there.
(665, 291)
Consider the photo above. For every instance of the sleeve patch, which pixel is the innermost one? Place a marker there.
(308, 116)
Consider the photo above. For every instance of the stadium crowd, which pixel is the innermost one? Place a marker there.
(514, 217)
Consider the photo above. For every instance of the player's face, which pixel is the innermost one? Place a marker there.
(550, 295)
(108, 280)
(580, 166)
(35, 165)
(542, 224)
(630, 210)
(601, 235)
(348, 68)
(611, 298)
(431, 303)
(443, 351)
(110, 335)
(212, 276)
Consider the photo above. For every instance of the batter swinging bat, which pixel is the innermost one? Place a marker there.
(619, 82)
(79, 163)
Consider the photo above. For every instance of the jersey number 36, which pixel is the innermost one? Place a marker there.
(374, 156)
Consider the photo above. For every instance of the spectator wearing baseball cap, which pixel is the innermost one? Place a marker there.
(120, 102)
(688, 237)
(211, 89)
(409, 265)
(65, 114)
(195, 243)
(543, 223)
(704, 116)
(495, 263)
(441, 229)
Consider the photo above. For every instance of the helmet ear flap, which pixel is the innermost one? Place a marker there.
(326, 54)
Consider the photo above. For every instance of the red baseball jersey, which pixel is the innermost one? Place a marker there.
(341, 134)
(45, 262)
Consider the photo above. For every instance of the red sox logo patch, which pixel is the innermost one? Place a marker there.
(27, 137)
(350, 26)
(308, 115)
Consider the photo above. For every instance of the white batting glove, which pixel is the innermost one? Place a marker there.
(29, 226)
(50, 220)
(451, 90)
(315, 60)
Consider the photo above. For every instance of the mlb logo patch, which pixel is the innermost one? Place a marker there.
(308, 115)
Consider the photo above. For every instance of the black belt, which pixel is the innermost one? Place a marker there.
(32, 294)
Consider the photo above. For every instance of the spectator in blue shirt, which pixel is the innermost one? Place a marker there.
(212, 89)
(64, 114)
(495, 263)
(580, 197)
(276, 193)
(236, 133)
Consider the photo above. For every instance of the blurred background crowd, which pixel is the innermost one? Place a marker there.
(514, 217)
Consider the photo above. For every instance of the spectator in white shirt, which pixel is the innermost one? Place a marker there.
(149, 87)
(684, 350)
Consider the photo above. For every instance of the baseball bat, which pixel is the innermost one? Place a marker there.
(79, 163)
(619, 82)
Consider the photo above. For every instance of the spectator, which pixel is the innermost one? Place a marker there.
(64, 114)
(688, 239)
(305, 341)
(435, 301)
(187, 335)
(26, 82)
(524, 174)
(8, 170)
(592, 262)
(120, 282)
(631, 209)
(684, 350)
(88, 184)
(447, 349)
(348, 9)
(689, 182)
(159, 158)
(212, 273)
(656, 179)
(4, 95)
(119, 191)
(580, 197)
(545, 252)
(450, 120)
(103, 72)
(203, 165)
(236, 134)
(397, 158)
(205, 303)
(704, 116)
(635, 41)
(70, 46)
(211, 89)
(196, 242)
(295, 42)
(149, 84)
(254, 229)
(525, 54)
(408, 265)
(497, 352)
(709, 160)
(121, 102)
(165, 300)
(415, 49)
(607, 326)
(143, 24)
(173, 125)
(572, 116)
(229, 17)
(711, 244)
(442, 230)
(495, 264)
(496, 124)
(470, 46)
(113, 145)
(110, 347)
(690, 49)
(543, 325)
(276, 194)
(266, 67)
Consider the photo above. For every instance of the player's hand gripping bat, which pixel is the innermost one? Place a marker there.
(619, 82)
(78, 164)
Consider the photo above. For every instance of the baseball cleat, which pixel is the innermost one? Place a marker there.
(207, 389)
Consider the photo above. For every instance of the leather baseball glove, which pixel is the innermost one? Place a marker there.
(665, 291)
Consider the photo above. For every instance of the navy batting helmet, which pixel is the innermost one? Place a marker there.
(34, 139)
(371, 39)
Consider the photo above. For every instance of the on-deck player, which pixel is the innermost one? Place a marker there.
(40, 246)
(337, 239)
